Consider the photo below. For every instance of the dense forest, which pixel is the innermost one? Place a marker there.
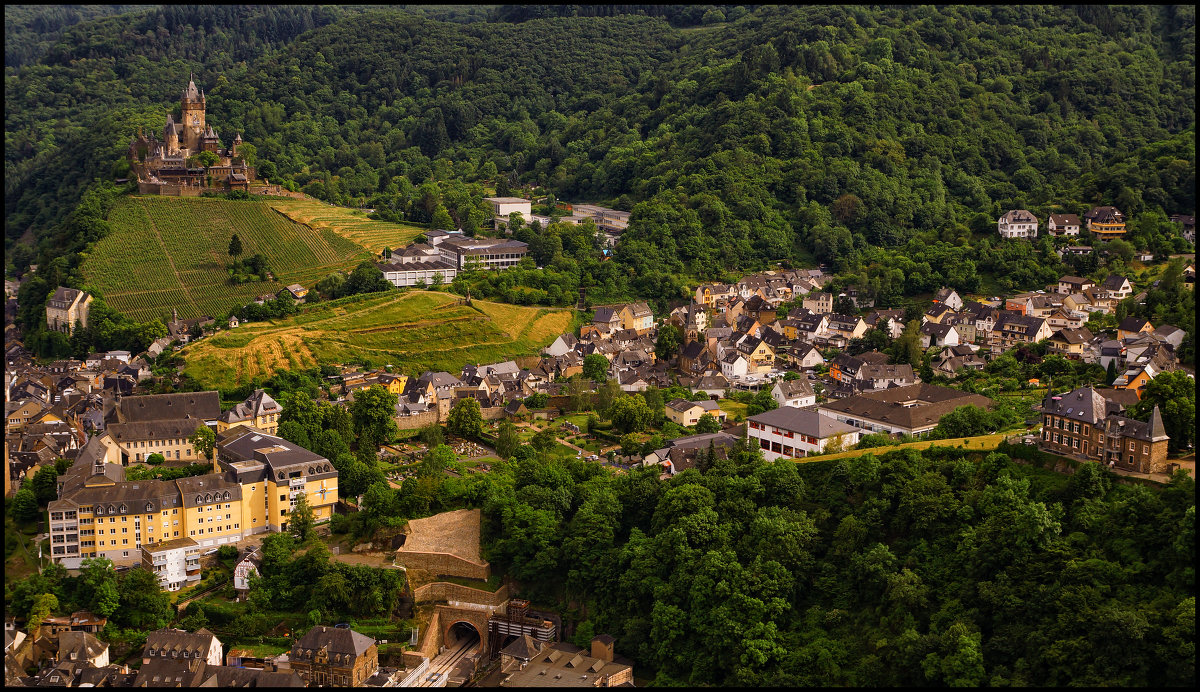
(883, 142)
(907, 569)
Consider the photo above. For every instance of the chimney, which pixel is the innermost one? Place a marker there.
(602, 647)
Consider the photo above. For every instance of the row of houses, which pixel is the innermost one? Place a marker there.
(1104, 222)
(322, 656)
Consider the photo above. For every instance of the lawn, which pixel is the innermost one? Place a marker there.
(980, 443)
(167, 253)
(20, 553)
(412, 330)
(733, 408)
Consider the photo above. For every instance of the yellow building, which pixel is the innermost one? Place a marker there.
(100, 514)
(259, 411)
(66, 307)
(273, 473)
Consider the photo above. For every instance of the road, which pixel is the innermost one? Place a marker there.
(444, 663)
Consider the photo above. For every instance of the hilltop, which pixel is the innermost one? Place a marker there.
(412, 330)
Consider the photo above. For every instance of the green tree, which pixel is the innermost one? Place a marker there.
(432, 435)
(144, 605)
(667, 343)
(45, 484)
(595, 367)
(43, 607)
(204, 441)
(436, 461)
(98, 582)
(708, 423)
(543, 441)
(507, 440)
(155, 459)
(441, 219)
(373, 413)
(631, 414)
(25, 506)
(1174, 393)
(465, 419)
(300, 519)
(235, 246)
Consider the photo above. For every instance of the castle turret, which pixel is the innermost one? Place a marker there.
(192, 105)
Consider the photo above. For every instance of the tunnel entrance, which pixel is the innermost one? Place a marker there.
(461, 632)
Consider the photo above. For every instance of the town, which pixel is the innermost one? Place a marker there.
(598, 346)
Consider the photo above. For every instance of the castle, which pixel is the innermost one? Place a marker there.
(166, 166)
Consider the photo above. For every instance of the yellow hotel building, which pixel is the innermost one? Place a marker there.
(100, 514)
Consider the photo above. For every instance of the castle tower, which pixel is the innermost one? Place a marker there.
(192, 106)
(171, 135)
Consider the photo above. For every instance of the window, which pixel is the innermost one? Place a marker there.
(1131, 445)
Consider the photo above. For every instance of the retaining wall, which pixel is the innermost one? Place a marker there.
(450, 592)
(443, 563)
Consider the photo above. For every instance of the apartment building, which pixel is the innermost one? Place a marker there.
(482, 253)
(176, 562)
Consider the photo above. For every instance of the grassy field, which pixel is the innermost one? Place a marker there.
(351, 224)
(414, 331)
(166, 252)
(981, 443)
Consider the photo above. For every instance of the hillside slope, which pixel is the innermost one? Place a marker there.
(413, 331)
(164, 253)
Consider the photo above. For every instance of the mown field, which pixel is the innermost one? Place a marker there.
(166, 252)
(412, 330)
(351, 224)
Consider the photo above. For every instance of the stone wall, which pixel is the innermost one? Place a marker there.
(419, 420)
(492, 412)
(428, 643)
(452, 593)
(443, 563)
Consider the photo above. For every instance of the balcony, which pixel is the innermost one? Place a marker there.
(296, 483)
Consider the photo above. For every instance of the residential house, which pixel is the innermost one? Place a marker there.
(1132, 326)
(1105, 222)
(1116, 287)
(1087, 423)
(247, 566)
(688, 413)
(259, 410)
(1013, 328)
(820, 303)
(564, 343)
(1074, 284)
(794, 393)
(178, 645)
(715, 295)
(844, 367)
(803, 356)
(791, 433)
(1071, 343)
(933, 334)
(334, 656)
(1017, 223)
(528, 662)
(953, 359)
(1063, 224)
(908, 410)
(176, 562)
(890, 321)
(948, 297)
(848, 326)
(1187, 226)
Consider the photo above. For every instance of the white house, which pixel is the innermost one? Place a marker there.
(562, 345)
(246, 568)
(176, 562)
(1017, 223)
(1063, 224)
(796, 394)
(734, 365)
(793, 433)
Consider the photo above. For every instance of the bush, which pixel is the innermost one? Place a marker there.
(155, 459)
(227, 552)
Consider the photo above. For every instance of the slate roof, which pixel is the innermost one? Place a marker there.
(1084, 404)
(891, 405)
(804, 421)
(337, 640)
(795, 388)
(134, 409)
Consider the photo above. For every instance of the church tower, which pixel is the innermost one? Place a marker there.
(192, 106)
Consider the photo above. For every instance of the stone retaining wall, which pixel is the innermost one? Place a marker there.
(443, 563)
(451, 592)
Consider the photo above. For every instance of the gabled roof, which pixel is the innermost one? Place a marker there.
(804, 421)
(338, 640)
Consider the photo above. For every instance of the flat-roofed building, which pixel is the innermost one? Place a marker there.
(176, 562)
(482, 253)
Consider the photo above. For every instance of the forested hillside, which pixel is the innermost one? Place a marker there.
(883, 141)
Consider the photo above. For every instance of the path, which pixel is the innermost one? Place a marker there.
(170, 261)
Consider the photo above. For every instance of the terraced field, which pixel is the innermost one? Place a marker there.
(166, 252)
(414, 331)
(351, 224)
